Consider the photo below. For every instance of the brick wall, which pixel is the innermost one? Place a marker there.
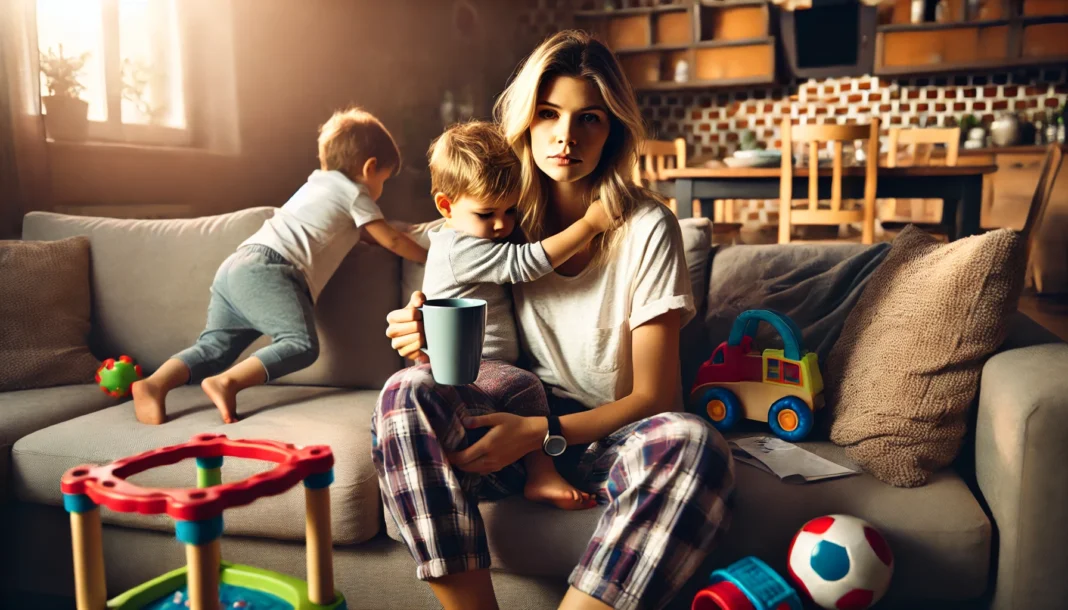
(712, 121)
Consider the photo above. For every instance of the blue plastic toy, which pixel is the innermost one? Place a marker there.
(747, 584)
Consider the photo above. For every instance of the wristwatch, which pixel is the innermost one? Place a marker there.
(554, 444)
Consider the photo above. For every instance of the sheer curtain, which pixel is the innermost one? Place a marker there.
(24, 176)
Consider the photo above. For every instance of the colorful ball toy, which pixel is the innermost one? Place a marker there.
(116, 377)
(841, 562)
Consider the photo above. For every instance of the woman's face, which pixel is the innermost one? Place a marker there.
(569, 129)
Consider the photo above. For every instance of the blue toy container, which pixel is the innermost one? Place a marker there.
(747, 584)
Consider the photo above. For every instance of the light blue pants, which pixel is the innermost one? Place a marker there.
(256, 292)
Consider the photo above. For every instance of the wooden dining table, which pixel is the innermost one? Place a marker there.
(960, 187)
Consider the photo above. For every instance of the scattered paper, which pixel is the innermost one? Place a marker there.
(790, 463)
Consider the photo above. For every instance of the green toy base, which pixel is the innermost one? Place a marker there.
(291, 590)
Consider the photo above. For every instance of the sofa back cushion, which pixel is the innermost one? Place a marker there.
(151, 281)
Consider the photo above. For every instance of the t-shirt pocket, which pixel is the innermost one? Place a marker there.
(606, 349)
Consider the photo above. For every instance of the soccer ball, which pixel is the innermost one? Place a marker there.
(841, 562)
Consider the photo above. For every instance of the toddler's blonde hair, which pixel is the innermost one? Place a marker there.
(474, 160)
(351, 137)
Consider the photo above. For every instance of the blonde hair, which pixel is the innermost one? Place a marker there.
(474, 160)
(351, 137)
(577, 54)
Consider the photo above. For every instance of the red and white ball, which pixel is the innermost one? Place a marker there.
(841, 562)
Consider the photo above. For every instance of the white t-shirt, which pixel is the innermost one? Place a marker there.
(577, 330)
(318, 226)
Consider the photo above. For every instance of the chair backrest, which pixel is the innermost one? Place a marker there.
(814, 135)
(654, 156)
(925, 138)
(1043, 193)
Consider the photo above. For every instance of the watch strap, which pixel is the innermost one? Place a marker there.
(554, 425)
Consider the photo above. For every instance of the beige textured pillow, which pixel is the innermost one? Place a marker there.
(905, 370)
(44, 314)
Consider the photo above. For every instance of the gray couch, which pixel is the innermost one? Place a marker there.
(989, 530)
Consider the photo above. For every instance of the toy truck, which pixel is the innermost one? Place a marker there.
(781, 387)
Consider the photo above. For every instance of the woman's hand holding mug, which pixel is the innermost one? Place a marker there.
(406, 329)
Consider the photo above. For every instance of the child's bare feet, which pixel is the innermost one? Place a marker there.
(223, 393)
(549, 487)
(148, 399)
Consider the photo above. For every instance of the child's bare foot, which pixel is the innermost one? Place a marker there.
(551, 488)
(221, 391)
(148, 399)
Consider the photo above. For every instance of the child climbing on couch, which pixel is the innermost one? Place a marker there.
(270, 284)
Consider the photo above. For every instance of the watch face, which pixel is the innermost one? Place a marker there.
(555, 445)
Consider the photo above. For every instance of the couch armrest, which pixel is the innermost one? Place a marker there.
(1020, 457)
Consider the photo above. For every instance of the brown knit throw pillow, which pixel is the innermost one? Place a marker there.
(905, 370)
(44, 314)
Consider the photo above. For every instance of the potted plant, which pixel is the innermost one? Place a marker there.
(67, 114)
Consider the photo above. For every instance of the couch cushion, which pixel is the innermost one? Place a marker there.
(938, 530)
(294, 414)
(151, 281)
(905, 371)
(27, 411)
(44, 314)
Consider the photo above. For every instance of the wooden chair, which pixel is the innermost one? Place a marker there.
(921, 143)
(654, 157)
(835, 215)
(1051, 166)
(927, 138)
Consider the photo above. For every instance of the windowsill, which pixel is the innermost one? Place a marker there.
(134, 146)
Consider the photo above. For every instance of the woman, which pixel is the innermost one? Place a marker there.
(602, 333)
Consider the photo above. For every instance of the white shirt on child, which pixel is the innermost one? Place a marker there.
(319, 225)
(577, 330)
(459, 265)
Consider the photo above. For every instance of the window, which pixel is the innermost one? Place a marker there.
(791, 373)
(127, 65)
(773, 369)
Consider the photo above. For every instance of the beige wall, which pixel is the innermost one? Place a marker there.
(295, 62)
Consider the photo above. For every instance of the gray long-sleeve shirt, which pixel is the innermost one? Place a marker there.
(459, 265)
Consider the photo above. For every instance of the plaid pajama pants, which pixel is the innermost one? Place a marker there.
(664, 482)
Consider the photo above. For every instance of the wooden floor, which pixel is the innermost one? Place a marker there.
(1049, 311)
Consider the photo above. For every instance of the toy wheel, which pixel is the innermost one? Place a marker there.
(719, 406)
(790, 418)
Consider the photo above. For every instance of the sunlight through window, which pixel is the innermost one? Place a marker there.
(151, 63)
(122, 57)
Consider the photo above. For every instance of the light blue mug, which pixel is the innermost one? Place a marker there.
(455, 330)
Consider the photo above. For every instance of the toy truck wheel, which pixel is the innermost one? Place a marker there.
(719, 406)
(790, 418)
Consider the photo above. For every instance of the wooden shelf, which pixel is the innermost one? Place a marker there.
(1041, 19)
(656, 48)
(1018, 40)
(732, 3)
(705, 84)
(640, 10)
(927, 27)
(741, 42)
(1019, 62)
(724, 44)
